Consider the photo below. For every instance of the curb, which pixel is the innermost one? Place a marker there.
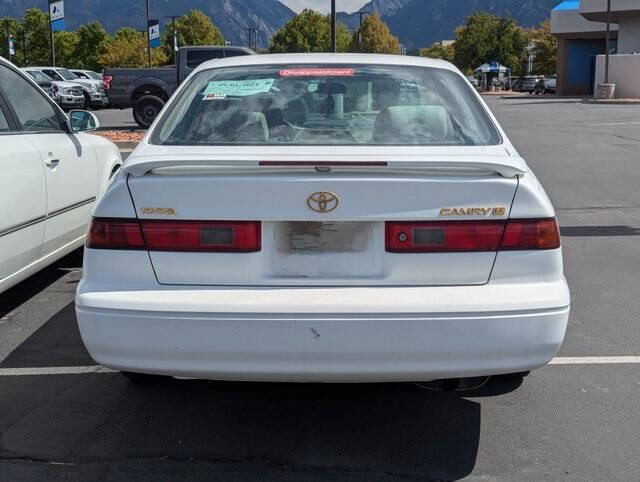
(612, 101)
(126, 145)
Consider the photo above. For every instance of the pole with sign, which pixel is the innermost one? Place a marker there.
(56, 23)
(12, 50)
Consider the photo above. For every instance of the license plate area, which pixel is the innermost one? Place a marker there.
(327, 249)
(307, 237)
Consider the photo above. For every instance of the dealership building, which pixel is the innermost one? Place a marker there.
(580, 28)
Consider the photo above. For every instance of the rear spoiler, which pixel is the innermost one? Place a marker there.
(505, 166)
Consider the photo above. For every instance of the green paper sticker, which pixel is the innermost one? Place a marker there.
(239, 88)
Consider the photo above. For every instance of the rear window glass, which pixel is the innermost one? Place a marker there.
(326, 105)
(196, 57)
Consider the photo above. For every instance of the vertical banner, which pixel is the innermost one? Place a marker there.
(56, 15)
(154, 33)
(175, 40)
(12, 50)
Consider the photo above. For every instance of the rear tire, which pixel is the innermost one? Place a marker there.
(512, 376)
(146, 109)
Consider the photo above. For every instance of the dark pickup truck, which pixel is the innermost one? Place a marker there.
(147, 90)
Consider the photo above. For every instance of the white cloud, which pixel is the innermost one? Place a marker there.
(324, 6)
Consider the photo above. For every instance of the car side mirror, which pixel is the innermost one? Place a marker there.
(82, 121)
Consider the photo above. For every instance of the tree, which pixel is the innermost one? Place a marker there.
(485, 38)
(92, 43)
(309, 31)
(36, 30)
(545, 49)
(194, 28)
(438, 51)
(128, 48)
(66, 44)
(376, 37)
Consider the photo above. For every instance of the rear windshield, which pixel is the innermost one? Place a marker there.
(326, 105)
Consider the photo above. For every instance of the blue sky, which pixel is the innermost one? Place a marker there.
(324, 5)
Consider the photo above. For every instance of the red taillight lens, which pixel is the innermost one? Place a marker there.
(111, 233)
(467, 236)
(525, 234)
(160, 235)
(227, 236)
(443, 236)
(106, 81)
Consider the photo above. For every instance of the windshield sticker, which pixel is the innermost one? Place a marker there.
(214, 97)
(314, 72)
(239, 88)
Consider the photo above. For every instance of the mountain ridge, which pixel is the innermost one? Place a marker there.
(417, 23)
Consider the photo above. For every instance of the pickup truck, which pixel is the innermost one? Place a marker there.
(147, 90)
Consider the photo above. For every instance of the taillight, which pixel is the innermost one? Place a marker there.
(106, 81)
(161, 235)
(226, 236)
(443, 236)
(112, 233)
(524, 234)
(468, 236)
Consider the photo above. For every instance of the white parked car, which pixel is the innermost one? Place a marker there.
(52, 175)
(68, 95)
(93, 89)
(334, 218)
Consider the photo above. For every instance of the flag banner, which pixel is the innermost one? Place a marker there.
(154, 33)
(175, 40)
(56, 14)
(12, 50)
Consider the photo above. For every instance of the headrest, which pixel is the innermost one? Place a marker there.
(235, 126)
(409, 123)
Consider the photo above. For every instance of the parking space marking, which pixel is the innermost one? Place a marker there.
(16, 372)
(595, 360)
(572, 360)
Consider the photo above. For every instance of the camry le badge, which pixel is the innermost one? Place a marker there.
(323, 202)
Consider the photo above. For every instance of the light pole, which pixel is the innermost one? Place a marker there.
(148, 36)
(361, 13)
(606, 60)
(333, 26)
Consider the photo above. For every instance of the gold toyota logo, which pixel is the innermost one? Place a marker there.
(323, 202)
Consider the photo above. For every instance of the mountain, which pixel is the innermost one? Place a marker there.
(231, 16)
(419, 23)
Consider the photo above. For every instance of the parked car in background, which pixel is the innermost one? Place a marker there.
(44, 81)
(473, 80)
(147, 90)
(324, 218)
(87, 74)
(528, 84)
(68, 95)
(546, 85)
(93, 89)
(52, 176)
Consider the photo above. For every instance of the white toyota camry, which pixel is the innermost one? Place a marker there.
(325, 218)
(50, 176)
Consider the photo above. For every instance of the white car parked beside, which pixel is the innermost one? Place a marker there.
(333, 218)
(51, 176)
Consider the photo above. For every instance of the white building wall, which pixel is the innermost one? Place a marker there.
(624, 71)
(629, 35)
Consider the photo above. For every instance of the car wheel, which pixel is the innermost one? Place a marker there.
(512, 376)
(87, 102)
(146, 109)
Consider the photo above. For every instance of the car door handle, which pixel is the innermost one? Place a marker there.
(52, 162)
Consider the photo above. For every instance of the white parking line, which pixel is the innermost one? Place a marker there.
(577, 360)
(17, 372)
(595, 360)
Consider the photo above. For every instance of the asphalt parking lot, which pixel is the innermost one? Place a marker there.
(577, 419)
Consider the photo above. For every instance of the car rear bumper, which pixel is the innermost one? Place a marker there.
(326, 334)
